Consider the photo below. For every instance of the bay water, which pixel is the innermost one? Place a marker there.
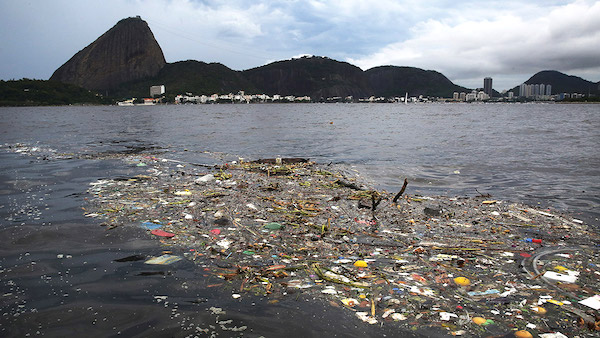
(57, 269)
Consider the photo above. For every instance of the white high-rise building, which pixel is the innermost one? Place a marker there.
(522, 89)
(157, 90)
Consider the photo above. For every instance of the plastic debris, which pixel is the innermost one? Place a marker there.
(483, 293)
(224, 243)
(561, 277)
(162, 233)
(553, 335)
(398, 316)
(452, 264)
(446, 316)
(463, 281)
(540, 310)
(273, 226)
(593, 302)
(523, 334)
(364, 316)
(478, 320)
(205, 179)
(360, 264)
(163, 260)
(351, 302)
(151, 225)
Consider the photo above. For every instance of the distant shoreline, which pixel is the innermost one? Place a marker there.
(278, 103)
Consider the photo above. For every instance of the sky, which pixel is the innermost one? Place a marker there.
(466, 40)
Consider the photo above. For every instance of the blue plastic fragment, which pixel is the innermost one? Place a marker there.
(151, 225)
(483, 293)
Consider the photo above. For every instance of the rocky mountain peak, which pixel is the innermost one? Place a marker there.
(127, 52)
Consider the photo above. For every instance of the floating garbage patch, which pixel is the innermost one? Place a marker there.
(464, 266)
(467, 266)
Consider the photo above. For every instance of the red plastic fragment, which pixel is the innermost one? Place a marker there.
(161, 233)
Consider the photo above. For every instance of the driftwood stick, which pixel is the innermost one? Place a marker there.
(375, 200)
(401, 191)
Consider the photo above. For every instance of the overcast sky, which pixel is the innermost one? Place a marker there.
(466, 40)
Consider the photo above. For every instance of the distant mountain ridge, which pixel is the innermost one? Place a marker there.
(393, 81)
(126, 60)
(563, 83)
(317, 77)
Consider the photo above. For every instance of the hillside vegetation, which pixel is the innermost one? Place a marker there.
(28, 92)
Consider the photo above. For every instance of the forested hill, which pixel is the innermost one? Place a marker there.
(27, 92)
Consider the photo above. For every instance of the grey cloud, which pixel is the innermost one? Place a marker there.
(440, 34)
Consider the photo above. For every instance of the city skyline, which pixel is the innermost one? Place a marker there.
(459, 39)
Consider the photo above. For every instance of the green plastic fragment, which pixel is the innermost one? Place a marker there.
(273, 226)
(487, 322)
(248, 252)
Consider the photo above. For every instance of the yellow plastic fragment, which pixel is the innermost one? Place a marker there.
(489, 202)
(360, 264)
(478, 320)
(553, 301)
(540, 310)
(463, 281)
(523, 334)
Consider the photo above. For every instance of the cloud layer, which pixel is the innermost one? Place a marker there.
(465, 40)
(508, 44)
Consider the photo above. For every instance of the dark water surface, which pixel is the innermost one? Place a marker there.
(57, 271)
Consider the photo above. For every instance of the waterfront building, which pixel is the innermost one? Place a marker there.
(522, 89)
(487, 86)
(157, 90)
(481, 96)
